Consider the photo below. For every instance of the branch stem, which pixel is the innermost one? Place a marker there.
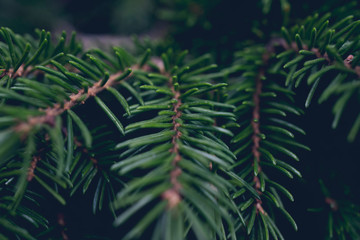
(75, 99)
(173, 195)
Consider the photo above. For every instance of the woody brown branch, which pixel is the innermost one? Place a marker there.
(318, 54)
(255, 124)
(48, 118)
(50, 113)
(75, 99)
(21, 71)
(173, 195)
(36, 158)
(32, 167)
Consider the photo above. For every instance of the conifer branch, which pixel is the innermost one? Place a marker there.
(321, 55)
(319, 51)
(256, 134)
(75, 99)
(259, 147)
(173, 195)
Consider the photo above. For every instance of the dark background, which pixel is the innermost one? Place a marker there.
(217, 26)
(221, 28)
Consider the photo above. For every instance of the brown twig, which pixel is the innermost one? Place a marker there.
(173, 195)
(50, 113)
(32, 167)
(255, 123)
(347, 61)
(36, 158)
(21, 71)
(76, 98)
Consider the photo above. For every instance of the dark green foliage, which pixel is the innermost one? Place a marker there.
(331, 52)
(168, 145)
(263, 141)
(180, 140)
(178, 147)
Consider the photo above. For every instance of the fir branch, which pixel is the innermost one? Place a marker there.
(255, 122)
(173, 195)
(324, 51)
(259, 146)
(75, 99)
(320, 55)
(176, 159)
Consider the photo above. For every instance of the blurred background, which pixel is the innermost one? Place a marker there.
(216, 26)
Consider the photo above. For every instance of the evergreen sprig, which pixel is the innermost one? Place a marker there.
(263, 141)
(179, 155)
(50, 141)
(42, 138)
(341, 216)
(318, 50)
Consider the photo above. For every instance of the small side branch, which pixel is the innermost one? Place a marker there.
(21, 71)
(76, 98)
(85, 151)
(32, 167)
(347, 61)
